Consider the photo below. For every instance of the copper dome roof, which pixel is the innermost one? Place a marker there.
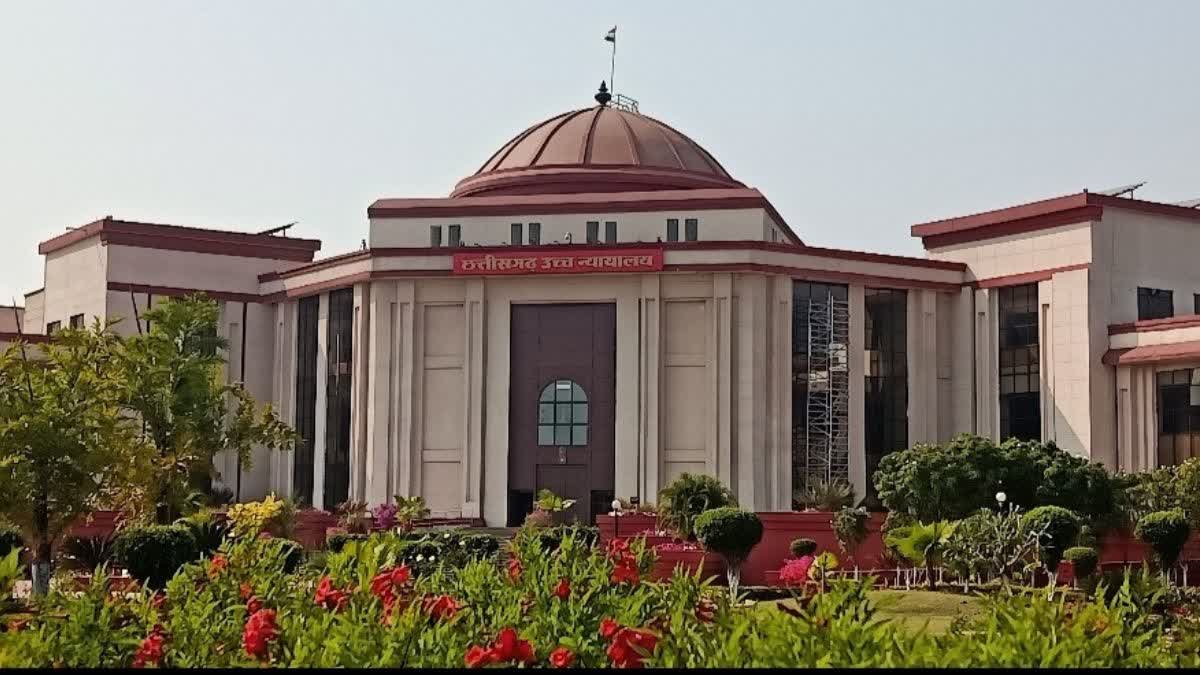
(598, 149)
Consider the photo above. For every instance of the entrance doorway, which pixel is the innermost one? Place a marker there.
(561, 420)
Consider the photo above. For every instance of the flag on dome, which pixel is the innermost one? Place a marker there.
(612, 35)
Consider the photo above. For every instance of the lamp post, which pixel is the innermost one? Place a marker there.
(616, 505)
(1001, 498)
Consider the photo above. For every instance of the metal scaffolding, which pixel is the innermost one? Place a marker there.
(827, 448)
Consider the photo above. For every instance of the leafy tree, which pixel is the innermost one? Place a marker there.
(730, 533)
(174, 379)
(63, 440)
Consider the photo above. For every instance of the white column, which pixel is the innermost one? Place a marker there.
(318, 498)
(780, 375)
(856, 429)
(404, 407)
(752, 405)
(360, 340)
(987, 390)
(922, 366)
(651, 438)
(627, 455)
(473, 365)
(284, 394)
(377, 479)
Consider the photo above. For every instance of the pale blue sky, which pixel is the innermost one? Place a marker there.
(855, 119)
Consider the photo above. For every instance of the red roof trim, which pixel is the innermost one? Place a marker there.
(1180, 351)
(193, 239)
(840, 254)
(1026, 277)
(1153, 325)
(175, 292)
(1075, 208)
(31, 338)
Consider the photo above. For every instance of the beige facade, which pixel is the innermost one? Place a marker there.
(395, 362)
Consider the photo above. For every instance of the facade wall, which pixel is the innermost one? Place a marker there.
(188, 270)
(1048, 249)
(1146, 250)
(75, 283)
(33, 320)
(725, 225)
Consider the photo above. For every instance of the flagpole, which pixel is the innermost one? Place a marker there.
(612, 71)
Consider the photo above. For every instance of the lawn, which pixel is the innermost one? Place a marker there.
(916, 609)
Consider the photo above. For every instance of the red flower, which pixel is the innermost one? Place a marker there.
(477, 657)
(795, 571)
(439, 606)
(329, 597)
(609, 628)
(150, 652)
(217, 565)
(625, 572)
(514, 570)
(245, 591)
(617, 548)
(508, 647)
(562, 657)
(630, 646)
(260, 631)
(563, 590)
(253, 605)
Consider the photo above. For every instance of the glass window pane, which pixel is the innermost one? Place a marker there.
(562, 435)
(545, 434)
(579, 435)
(546, 413)
(580, 414)
(577, 393)
(547, 393)
(562, 413)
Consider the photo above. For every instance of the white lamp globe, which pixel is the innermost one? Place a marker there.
(1001, 497)
(616, 505)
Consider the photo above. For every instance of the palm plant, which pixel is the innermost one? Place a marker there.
(687, 497)
(922, 545)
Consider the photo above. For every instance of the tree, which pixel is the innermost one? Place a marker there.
(173, 376)
(63, 439)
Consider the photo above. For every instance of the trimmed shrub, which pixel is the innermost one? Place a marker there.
(688, 496)
(1058, 528)
(1166, 532)
(10, 538)
(1083, 559)
(953, 480)
(731, 533)
(803, 546)
(153, 554)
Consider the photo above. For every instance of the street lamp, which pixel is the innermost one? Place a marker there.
(1001, 498)
(616, 505)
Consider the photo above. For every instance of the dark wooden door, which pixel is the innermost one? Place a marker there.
(562, 407)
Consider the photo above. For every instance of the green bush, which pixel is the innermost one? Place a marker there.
(731, 533)
(802, 547)
(953, 480)
(208, 530)
(1057, 528)
(1166, 532)
(85, 554)
(1084, 560)
(850, 526)
(153, 554)
(687, 497)
(551, 537)
(10, 538)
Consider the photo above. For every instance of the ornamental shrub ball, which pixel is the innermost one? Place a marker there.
(1059, 528)
(731, 533)
(687, 497)
(153, 554)
(1083, 559)
(803, 547)
(1165, 532)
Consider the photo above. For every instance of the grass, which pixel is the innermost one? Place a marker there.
(915, 610)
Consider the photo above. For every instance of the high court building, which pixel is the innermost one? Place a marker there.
(603, 306)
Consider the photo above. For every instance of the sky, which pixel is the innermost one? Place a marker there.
(856, 119)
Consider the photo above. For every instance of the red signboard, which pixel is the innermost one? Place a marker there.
(560, 261)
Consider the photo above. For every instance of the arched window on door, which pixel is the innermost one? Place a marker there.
(562, 414)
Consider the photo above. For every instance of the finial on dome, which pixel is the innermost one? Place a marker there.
(602, 96)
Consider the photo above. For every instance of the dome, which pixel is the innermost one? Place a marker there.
(598, 149)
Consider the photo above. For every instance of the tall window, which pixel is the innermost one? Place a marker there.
(455, 232)
(820, 388)
(672, 229)
(1178, 416)
(691, 229)
(610, 231)
(306, 398)
(1155, 303)
(1020, 375)
(886, 399)
(593, 231)
(435, 236)
(516, 236)
(535, 233)
(562, 414)
(338, 376)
